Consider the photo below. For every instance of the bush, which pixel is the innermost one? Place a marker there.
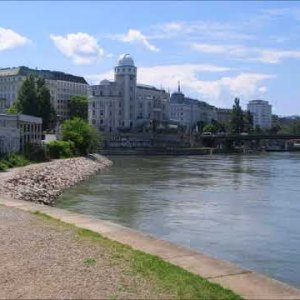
(17, 160)
(86, 139)
(61, 149)
(3, 166)
(36, 152)
(12, 160)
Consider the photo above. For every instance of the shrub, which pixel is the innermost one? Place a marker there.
(61, 149)
(36, 152)
(3, 166)
(17, 160)
(12, 160)
(85, 137)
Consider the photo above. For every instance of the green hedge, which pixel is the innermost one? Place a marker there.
(12, 160)
(61, 149)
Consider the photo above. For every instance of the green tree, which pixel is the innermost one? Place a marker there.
(27, 100)
(258, 130)
(78, 107)
(248, 122)
(86, 138)
(34, 99)
(210, 128)
(46, 109)
(12, 110)
(237, 118)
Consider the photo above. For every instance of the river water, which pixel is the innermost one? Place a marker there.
(245, 209)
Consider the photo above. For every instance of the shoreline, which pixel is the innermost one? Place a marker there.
(44, 182)
(25, 188)
(246, 283)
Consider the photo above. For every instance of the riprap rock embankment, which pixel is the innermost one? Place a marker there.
(45, 182)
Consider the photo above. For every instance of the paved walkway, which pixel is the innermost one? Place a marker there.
(45, 260)
(248, 284)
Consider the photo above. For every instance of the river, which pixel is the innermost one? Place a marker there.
(245, 209)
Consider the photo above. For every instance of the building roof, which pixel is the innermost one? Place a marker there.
(258, 102)
(21, 117)
(125, 60)
(46, 74)
(148, 87)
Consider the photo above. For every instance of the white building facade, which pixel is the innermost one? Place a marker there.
(188, 112)
(262, 113)
(123, 104)
(18, 130)
(62, 86)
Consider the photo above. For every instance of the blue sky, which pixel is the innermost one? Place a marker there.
(218, 50)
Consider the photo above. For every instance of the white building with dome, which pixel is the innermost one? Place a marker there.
(123, 104)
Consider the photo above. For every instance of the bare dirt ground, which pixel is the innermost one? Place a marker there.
(40, 259)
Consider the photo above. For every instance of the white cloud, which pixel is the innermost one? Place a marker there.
(135, 36)
(10, 39)
(263, 89)
(276, 56)
(82, 48)
(218, 92)
(198, 29)
(290, 12)
(271, 56)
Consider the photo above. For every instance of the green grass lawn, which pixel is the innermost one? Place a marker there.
(168, 277)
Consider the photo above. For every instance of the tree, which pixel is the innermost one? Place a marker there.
(34, 99)
(46, 109)
(27, 100)
(248, 122)
(258, 130)
(210, 128)
(78, 107)
(237, 118)
(12, 110)
(85, 137)
(200, 125)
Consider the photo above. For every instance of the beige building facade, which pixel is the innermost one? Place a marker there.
(188, 112)
(123, 104)
(62, 86)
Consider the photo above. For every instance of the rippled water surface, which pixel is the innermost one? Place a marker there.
(245, 209)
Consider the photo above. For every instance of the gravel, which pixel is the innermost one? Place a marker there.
(44, 183)
(42, 259)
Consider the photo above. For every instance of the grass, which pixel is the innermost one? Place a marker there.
(89, 261)
(168, 277)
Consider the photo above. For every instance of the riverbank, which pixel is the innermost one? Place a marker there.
(168, 266)
(45, 182)
(159, 151)
(42, 258)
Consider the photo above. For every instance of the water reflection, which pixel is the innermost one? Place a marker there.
(241, 208)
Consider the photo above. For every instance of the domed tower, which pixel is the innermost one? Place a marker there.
(125, 77)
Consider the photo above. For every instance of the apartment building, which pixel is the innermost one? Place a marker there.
(262, 113)
(62, 86)
(188, 112)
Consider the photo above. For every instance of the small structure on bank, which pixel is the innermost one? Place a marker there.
(18, 130)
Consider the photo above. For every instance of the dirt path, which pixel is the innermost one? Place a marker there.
(41, 259)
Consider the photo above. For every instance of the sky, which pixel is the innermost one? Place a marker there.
(217, 50)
